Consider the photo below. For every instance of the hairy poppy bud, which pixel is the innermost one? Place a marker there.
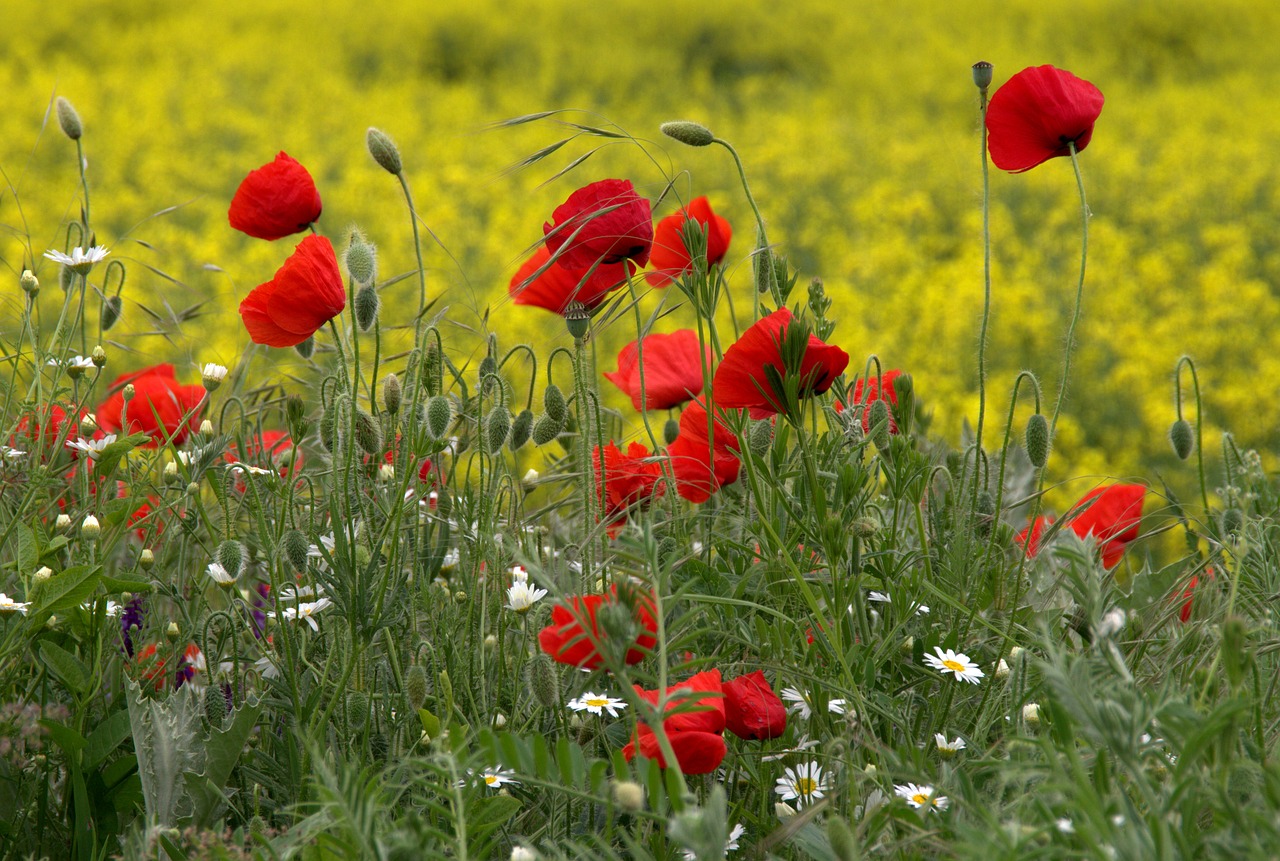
(293, 546)
(670, 430)
(232, 556)
(215, 706)
(577, 319)
(391, 393)
(1183, 438)
(497, 426)
(488, 368)
(357, 710)
(361, 260)
(1232, 521)
(543, 683)
(439, 416)
(546, 429)
(366, 307)
(688, 132)
(111, 308)
(985, 512)
(30, 283)
(416, 687)
(306, 349)
(553, 403)
(878, 416)
(384, 152)
(844, 846)
(69, 120)
(368, 433)
(1037, 440)
(982, 73)
(521, 428)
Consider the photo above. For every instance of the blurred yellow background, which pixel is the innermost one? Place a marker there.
(858, 124)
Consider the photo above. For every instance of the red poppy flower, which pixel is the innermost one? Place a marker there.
(631, 479)
(672, 370)
(1036, 114)
(752, 710)
(870, 393)
(1113, 519)
(151, 666)
(42, 428)
(567, 641)
(696, 736)
(604, 222)
(305, 293)
(670, 257)
(700, 464)
(275, 200)
(742, 382)
(1184, 615)
(555, 287)
(161, 407)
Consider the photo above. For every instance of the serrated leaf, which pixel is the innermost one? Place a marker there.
(167, 740)
(65, 666)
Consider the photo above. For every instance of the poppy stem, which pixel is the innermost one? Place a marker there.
(986, 289)
(1075, 316)
(763, 236)
(417, 250)
(1195, 386)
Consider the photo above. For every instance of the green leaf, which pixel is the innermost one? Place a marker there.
(430, 723)
(65, 737)
(106, 737)
(492, 812)
(64, 591)
(222, 750)
(115, 585)
(111, 454)
(66, 666)
(27, 552)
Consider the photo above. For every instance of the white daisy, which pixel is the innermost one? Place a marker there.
(948, 748)
(304, 611)
(921, 796)
(91, 447)
(266, 668)
(883, 598)
(251, 470)
(955, 662)
(80, 260)
(803, 784)
(803, 743)
(519, 574)
(597, 704)
(8, 605)
(77, 365)
(219, 575)
(802, 703)
(1066, 826)
(297, 593)
(8, 455)
(521, 596)
(212, 375)
(496, 777)
(730, 845)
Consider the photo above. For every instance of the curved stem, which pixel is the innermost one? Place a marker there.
(774, 290)
(1195, 386)
(417, 250)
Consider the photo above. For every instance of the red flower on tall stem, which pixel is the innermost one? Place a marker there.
(1037, 114)
(702, 462)
(696, 736)
(305, 293)
(276, 200)
(544, 283)
(875, 390)
(161, 407)
(574, 631)
(670, 257)
(741, 380)
(752, 710)
(630, 480)
(1113, 518)
(673, 372)
(604, 222)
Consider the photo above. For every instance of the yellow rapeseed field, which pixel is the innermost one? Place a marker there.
(857, 122)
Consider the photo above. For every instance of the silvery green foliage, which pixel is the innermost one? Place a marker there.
(167, 739)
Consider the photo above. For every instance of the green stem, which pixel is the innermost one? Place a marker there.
(986, 288)
(1075, 316)
(417, 250)
(774, 290)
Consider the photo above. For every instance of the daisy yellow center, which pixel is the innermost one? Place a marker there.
(491, 779)
(920, 798)
(598, 702)
(954, 666)
(805, 785)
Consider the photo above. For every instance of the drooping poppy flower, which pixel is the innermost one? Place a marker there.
(702, 464)
(670, 257)
(741, 380)
(696, 737)
(672, 370)
(1113, 519)
(1037, 114)
(604, 222)
(276, 200)
(162, 408)
(555, 286)
(630, 479)
(305, 293)
(752, 710)
(567, 641)
(865, 395)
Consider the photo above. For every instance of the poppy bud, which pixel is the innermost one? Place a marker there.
(1232, 521)
(521, 428)
(215, 706)
(688, 132)
(439, 416)
(543, 683)
(553, 403)
(618, 623)
(488, 368)
(111, 308)
(368, 433)
(384, 152)
(357, 710)
(843, 844)
(1183, 439)
(546, 429)
(293, 546)
(415, 687)
(391, 393)
(496, 428)
(577, 319)
(361, 260)
(1037, 440)
(232, 556)
(670, 431)
(295, 413)
(985, 512)
(69, 119)
(982, 73)
(761, 438)
(366, 307)
(306, 349)
(878, 416)
(29, 283)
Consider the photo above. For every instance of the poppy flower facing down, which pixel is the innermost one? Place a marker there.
(672, 370)
(1037, 114)
(276, 200)
(162, 408)
(752, 710)
(741, 380)
(670, 258)
(696, 736)
(567, 641)
(544, 283)
(306, 293)
(702, 464)
(1112, 519)
(631, 479)
(605, 222)
(871, 392)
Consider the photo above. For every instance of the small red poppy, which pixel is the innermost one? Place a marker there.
(670, 257)
(604, 222)
(672, 370)
(43, 427)
(702, 464)
(1037, 114)
(872, 391)
(567, 641)
(1113, 519)
(752, 710)
(276, 200)
(631, 479)
(305, 293)
(555, 287)
(161, 407)
(742, 382)
(1184, 615)
(696, 736)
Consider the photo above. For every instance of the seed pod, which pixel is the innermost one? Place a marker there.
(391, 393)
(293, 547)
(439, 416)
(69, 120)
(982, 73)
(368, 433)
(384, 152)
(688, 132)
(496, 428)
(1183, 438)
(415, 687)
(546, 429)
(577, 319)
(366, 307)
(111, 309)
(215, 706)
(878, 418)
(543, 683)
(521, 428)
(553, 403)
(232, 556)
(1037, 440)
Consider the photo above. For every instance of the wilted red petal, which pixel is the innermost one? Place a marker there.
(670, 259)
(604, 222)
(555, 287)
(275, 200)
(1036, 114)
(306, 293)
(672, 370)
(741, 382)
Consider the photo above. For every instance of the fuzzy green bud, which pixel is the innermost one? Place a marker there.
(982, 73)
(293, 547)
(361, 260)
(488, 370)
(1037, 440)
(439, 416)
(391, 393)
(415, 687)
(761, 438)
(384, 152)
(1232, 521)
(29, 283)
(368, 433)
(66, 278)
(215, 706)
(357, 705)
(844, 846)
(306, 349)
(379, 747)
(521, 428)
(366, 307)
(112, 307)
(985, 512)
(1235, 649)
(328, 428)
(1183, 438)
(496, 428)
(577, 319)
(688, 132)
(295, 415)
(670, 430)
(232, 556)
(878, 418)
(546, 429)
(69, 120)
(543, 682)
(553, 403)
